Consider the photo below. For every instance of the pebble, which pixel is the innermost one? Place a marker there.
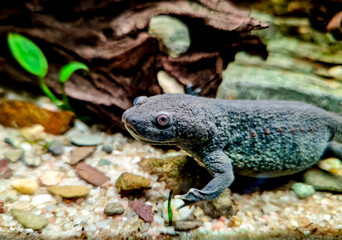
(91, 175)
(108, 148)
(56, 148)
(32, 161)
(177, 215)
(2, 208)
(15, 155)
(24, 185)
(128, 182)
(9, 141)
(332, 165)
(144, 211)
(5, 171)
(50, 178)
(114, 208)
(86, 140)
(80, 153)
(9, 196)
(187, 225)
(104, 162)
(69, 191)
(33, 133)
(42, 199)
(336, 72)
(29, 220)
(303, 190)
(323, 181)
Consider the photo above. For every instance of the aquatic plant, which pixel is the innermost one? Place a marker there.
(32, 59)
(169, 208)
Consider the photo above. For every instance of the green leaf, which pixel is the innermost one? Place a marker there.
(27, 54)
(69, 69)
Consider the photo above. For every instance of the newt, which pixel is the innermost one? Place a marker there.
(257, 138)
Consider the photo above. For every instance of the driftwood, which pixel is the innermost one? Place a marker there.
(111, 38)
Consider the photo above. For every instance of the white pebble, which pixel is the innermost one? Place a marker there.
(136, 160)
(42, 199)
(177, 215)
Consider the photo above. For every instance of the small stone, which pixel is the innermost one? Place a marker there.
(50, 178)
(42, 199)
(9, 141)
(91, 175)
(15, 155)
(87, 140)
(268, 208)
(144, 211)
(336, 72)
(104, 162)
(177, 215)
(303, 190)
(187, 225)
(168, 83)
(33, 133)
(29, 220)
(323, 181)
(24, 185)
(56, 148)
(5, 172)
(81, 153)
(128, 183)
(9, 196)
(332, 165)
(108, 148)
(2, 208)
(32, 161)
(73, 191)
(114, 208)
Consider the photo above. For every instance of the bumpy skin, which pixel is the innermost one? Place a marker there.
(255, 138)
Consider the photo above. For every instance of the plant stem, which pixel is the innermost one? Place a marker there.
(48, 93)
(65, 98)
(169, 208)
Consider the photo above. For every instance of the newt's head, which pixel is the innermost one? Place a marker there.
(169, 119)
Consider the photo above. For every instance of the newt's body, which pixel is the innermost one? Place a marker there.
(255, 138)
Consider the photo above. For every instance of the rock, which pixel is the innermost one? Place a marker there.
(177, 215)
(336, 72)
(323, 181)
(87, 140)
(108, 148)
(56, 148)
(130, 183)
(15, 155)
(91, 175)
(24, 185)
(114, 208)
(9, 141)
(5, 171)
(32, 160)
(80, 153)
(333, 165)
(73, 191)
(33, 133)
(172, 34)
(9, 196)
(303, 190)
(104, 162)
(187, 225)
(42, 199)
(50, 178)
(268, 208)
(223, 205)
(29, 220)
(168, 83)
(144, 211)
(19, 114)
(2, 208)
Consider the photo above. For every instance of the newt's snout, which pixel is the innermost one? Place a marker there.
(130, 119)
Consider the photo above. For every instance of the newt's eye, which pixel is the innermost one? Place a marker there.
(163, 120)
(141, 99)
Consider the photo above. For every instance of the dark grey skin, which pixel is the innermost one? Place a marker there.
(255, 138)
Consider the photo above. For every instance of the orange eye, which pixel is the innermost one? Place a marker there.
(163, 119)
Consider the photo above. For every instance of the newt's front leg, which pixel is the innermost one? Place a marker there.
(220, 167)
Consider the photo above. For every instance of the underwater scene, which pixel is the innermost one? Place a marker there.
(202, 119)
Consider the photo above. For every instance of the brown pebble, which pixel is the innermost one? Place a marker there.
(144, 211)
(131, 183)
(187, 225)
(2, 208)
(81, 153)
(91, 175)
(5, 172)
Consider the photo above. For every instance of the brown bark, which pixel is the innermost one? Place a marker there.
(111, 38)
